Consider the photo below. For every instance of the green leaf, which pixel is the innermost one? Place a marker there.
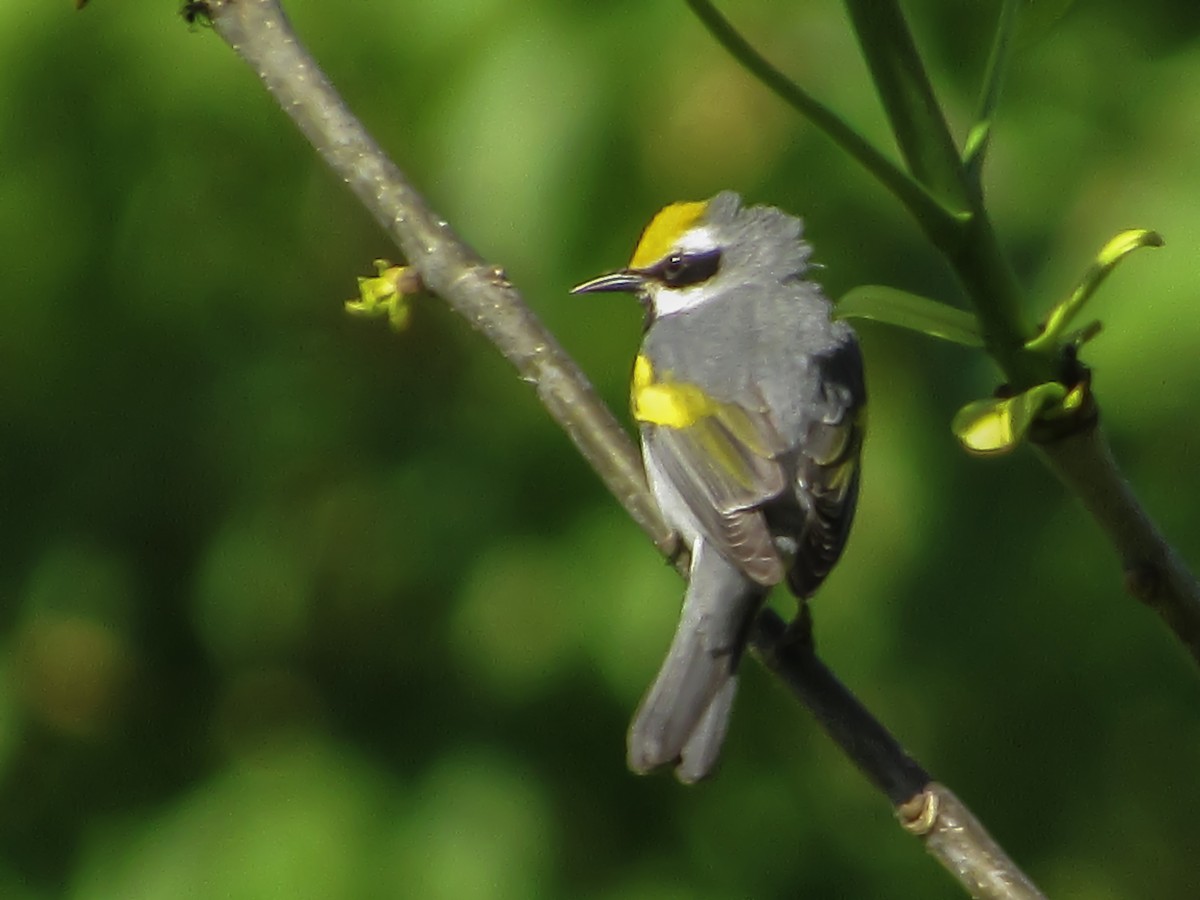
(1106, 260)
(896, 307)
(998, 425)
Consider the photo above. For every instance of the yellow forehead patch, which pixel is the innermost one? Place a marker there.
(664, 230)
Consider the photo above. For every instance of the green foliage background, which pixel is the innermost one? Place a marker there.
(294, 607)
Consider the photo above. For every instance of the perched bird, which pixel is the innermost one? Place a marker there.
(750, 401)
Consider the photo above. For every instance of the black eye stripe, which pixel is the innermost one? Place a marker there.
(684, 269)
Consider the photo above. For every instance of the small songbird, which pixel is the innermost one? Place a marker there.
(751, 405)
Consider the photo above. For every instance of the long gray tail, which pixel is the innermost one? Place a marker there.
(684, 715)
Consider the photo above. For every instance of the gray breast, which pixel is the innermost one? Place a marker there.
(753, 349)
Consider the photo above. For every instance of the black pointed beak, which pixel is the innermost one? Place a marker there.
(627, 281)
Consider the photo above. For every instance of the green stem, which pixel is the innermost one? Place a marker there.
(934, 217)
(1154, 573)
(989, 280)
(968, 241)
(908, 99)
(980, 135)
(965, 238)
(925, 141)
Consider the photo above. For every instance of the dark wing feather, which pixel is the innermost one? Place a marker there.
(827, 471)
(724, 468)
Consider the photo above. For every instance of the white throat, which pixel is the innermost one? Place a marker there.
(669, 301)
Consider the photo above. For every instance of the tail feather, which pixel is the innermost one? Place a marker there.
(684, 715)
(700, 753)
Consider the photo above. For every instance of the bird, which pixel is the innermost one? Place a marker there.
(750, 402)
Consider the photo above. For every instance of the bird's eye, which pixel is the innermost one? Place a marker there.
(684, 269)
(673, 267)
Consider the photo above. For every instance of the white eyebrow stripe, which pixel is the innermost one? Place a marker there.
(668, 301)
(698, 240)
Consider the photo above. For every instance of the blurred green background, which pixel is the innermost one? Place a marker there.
(291, 606)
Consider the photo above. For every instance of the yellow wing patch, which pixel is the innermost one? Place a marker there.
(680, 404)
(664, 230)
(718, 457)
(673, 404)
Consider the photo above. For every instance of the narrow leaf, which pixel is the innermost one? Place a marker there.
(992, 426)
(980, 133)
(1108, 257)
(896, 307)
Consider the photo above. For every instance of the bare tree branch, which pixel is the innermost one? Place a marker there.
(261, 34)
(959, 841)
(1154, 573)
(480, 293)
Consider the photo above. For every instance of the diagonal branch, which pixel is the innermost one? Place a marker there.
(261, 34)
(1154, 573)
(924, 807)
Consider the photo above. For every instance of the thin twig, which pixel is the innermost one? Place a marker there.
(961, 843)
(925, 808)
(260, 33)
(791, 655)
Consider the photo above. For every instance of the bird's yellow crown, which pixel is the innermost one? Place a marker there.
(664, 230)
